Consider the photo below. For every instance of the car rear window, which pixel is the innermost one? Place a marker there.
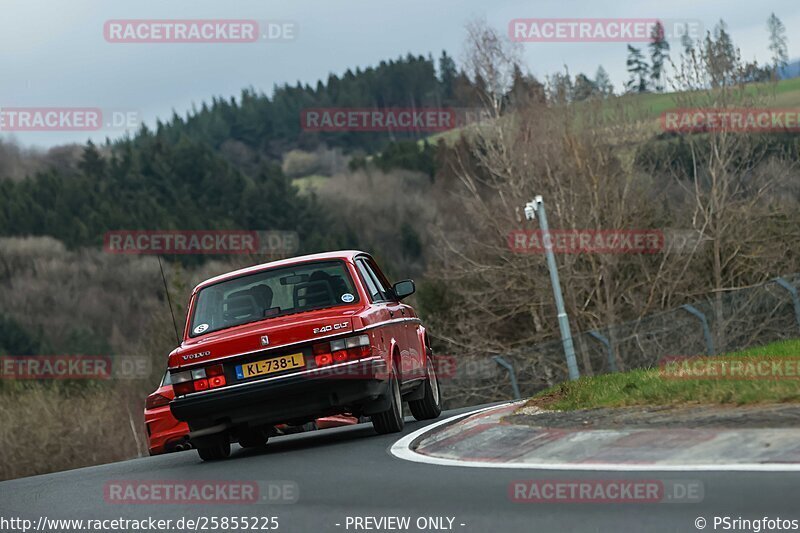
(272, 293)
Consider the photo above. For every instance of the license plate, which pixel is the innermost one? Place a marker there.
(270, 366)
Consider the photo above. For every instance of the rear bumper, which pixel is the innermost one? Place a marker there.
(168, 444)
(163, 431)
(297, 397)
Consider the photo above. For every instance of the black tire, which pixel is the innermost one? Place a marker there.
(430, 405)
(214, 452)
(391, 420)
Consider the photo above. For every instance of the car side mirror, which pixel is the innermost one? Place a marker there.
(404, 288)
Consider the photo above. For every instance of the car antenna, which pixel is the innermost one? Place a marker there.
(169, 300)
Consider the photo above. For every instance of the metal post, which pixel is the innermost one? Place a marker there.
(563, 322)
(511, 374)
(793, 291)
(706, 331)
(612, 361)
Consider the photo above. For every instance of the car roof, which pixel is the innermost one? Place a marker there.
(347, 255)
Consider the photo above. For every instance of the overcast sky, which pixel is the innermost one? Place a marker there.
(54, 54)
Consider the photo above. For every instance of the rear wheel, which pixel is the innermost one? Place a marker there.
(391, 420)
(214, 452)
(429, 406)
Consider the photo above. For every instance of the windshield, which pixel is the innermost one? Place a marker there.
(272, 293)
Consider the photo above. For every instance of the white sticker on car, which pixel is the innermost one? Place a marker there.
(347, 297)
(201, 328)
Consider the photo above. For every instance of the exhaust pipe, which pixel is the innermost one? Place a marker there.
(181, 446)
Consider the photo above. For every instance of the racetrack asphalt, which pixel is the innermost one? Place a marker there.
(344, 473)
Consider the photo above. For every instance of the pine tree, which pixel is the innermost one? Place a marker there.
(447, 76)
(525, 89)
(686, 42)
(559, 87)
(91, 162)
(638, 69)
(603, 82)
(724, 55)
(777, 43)
(584, 88)
(659, 50)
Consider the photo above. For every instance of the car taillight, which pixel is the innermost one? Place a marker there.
(183, 388)
(337, 345)
(358, 347)
(215, 370)
(323, 359)
(359, 352)
(156, 400)
(216, 381)
(338, 351)
(198, 379)
(181, 377)
(319, 349)
(342, 350)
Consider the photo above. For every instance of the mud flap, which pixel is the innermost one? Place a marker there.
(379, 404)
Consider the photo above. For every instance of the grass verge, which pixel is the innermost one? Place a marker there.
(767, 374)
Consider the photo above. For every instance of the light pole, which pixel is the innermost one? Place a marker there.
(531, 209)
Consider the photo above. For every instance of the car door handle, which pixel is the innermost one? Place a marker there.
(403, 311)
(391, 314)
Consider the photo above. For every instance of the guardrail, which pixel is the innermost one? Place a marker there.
(735, 321)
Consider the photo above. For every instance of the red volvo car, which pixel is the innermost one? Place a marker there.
(164, 433)
(290, 341)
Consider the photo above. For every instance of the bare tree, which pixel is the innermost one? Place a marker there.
(491, 57)
(587, 161)
(777, 43)
(730, 196)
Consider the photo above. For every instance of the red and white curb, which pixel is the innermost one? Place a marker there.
(589, 450)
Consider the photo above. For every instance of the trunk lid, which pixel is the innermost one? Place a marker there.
(263, 335)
